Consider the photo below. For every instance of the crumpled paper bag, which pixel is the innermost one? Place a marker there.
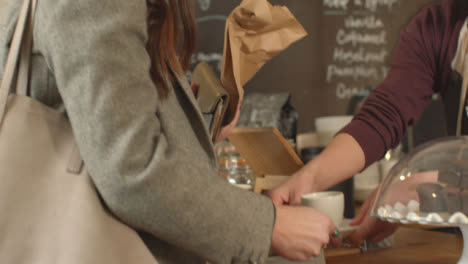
(255, 32)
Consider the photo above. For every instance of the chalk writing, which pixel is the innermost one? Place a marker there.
(354, 37)
(204, 4)
(367, 22)
(338, 4)
(354, 72)
(368, 5)
(360, 55)
(373, 5)
(346, 92)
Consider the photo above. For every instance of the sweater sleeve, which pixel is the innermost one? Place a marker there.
(96, 51)
(400, 99)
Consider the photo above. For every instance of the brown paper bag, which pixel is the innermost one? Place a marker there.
(255, 32)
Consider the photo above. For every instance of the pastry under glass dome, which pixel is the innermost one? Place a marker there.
(429, 187)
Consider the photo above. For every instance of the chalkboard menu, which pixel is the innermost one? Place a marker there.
(346, 53)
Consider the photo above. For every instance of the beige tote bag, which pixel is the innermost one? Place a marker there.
(49, 209)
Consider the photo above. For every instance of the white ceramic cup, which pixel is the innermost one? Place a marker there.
(330, 203)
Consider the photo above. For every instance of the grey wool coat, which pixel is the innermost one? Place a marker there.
(150, 159)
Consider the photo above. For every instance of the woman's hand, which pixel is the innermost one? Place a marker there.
(370, 228)
(300, 232)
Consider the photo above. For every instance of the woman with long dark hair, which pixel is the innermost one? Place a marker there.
(117, 67)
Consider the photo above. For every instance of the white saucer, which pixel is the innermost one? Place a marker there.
(345, 229)
(247, 187)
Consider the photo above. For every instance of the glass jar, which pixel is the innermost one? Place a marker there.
(241, 174)
(232, 166)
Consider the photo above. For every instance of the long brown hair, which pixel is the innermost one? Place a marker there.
(171, 40)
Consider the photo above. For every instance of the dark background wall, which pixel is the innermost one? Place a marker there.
(303, 68)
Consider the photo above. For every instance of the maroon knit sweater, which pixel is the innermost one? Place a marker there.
(420, 67)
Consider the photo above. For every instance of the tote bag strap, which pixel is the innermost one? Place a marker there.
(13, 55)
(463, 92)
(20, 52)
(22, 82)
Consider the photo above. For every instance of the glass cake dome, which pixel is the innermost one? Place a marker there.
(429, 187)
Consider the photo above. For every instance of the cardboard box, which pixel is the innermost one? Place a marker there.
(268, 153)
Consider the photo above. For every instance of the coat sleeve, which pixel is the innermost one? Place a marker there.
(96, 51)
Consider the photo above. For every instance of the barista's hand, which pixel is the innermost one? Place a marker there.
(290, 191)
(323, 171)
(300, 232)
(370, 228)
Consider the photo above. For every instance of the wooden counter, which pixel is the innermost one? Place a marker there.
(410, 246)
